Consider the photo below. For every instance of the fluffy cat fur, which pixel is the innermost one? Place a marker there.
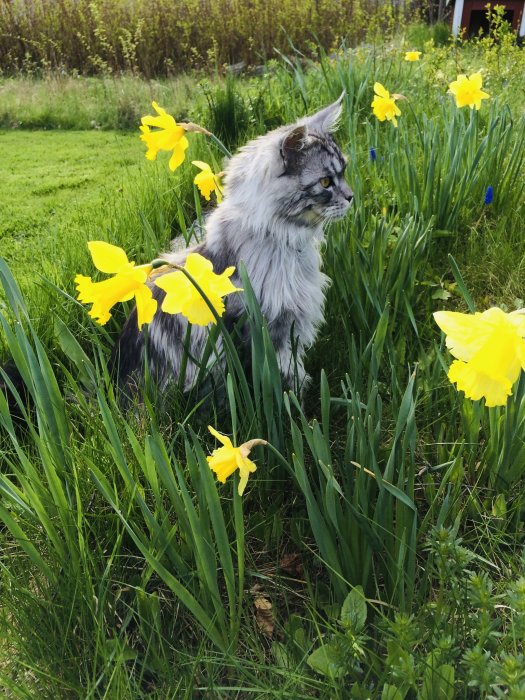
(279, 192)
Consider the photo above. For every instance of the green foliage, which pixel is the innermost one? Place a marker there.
(441, 35)
(378, 549)
(106, 37)
(228, 114)
(360, 503)
(345, 652)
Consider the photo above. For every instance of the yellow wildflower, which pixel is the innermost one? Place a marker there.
(207, 181)
(384, 106)
(168, 136)
(128, 282)
(412, 55)
(490, 352)
(182, 297)
(467, 91)
(225, 460)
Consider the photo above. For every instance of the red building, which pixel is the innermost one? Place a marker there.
(471, 16)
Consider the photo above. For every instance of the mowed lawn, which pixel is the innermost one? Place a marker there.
(56, 184)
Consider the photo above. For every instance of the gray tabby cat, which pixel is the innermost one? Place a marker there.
(279, 192)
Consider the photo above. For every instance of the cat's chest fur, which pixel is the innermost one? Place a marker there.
(289, 285)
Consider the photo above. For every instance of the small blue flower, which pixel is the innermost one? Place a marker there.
(373, 154)
(489, 194)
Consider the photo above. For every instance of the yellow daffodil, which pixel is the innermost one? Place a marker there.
(168, 136)
(412, 55)
(467, 91)
(490, 352)
(225, 460)
(384, 106)
(207, 181)
(128, 282)
(182, 297)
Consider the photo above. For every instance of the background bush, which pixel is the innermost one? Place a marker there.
(163, 37)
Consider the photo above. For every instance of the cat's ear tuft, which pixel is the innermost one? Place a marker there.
(293, 143)
(327, 120)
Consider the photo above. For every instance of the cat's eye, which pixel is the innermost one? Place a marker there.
(326, 182)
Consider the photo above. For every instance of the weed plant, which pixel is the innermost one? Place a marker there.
(109, 37)
(378, 549)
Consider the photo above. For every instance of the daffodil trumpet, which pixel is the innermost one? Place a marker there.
(467, 91)
(128, 282)
(196, 291)
(207, 181)
(225, 460)
(384, 104)
(489, 348)
(160, 132)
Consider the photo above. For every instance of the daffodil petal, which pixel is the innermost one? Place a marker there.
(178, 290)
(202, 165)
(157, 108)
(199, 313)
(517, 318)
(224, 439)
(100, 315)
(467, 91)
(178, 154)
(84, 286)
(246, 467)
(198, 266)
(381, 90)
(182, 295)
(146, 305)
(476, 80)
(163, 122)
(223, 285)
(107, 257)
(465, 333)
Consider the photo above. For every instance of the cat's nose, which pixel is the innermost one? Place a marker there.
(347, 192)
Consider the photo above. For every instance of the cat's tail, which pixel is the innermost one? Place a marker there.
(126, 363)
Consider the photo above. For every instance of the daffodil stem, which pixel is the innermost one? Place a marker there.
(158, 262)
(280, 457)
(417, 123)
(238, 514)
(184, 361)
(220, 144)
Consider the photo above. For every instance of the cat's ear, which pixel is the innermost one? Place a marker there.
(327, 119)
(293, 143)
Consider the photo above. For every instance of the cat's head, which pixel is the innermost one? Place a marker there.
(292, 176)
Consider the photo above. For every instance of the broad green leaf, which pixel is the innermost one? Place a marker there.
(327, 660)
(390, 692)
(353, 612)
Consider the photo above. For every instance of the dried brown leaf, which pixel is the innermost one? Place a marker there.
(264, 615)
(292, 563)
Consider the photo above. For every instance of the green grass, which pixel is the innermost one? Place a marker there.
(127, 571)
(53, 182)
(62, 189)
(61, 101)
